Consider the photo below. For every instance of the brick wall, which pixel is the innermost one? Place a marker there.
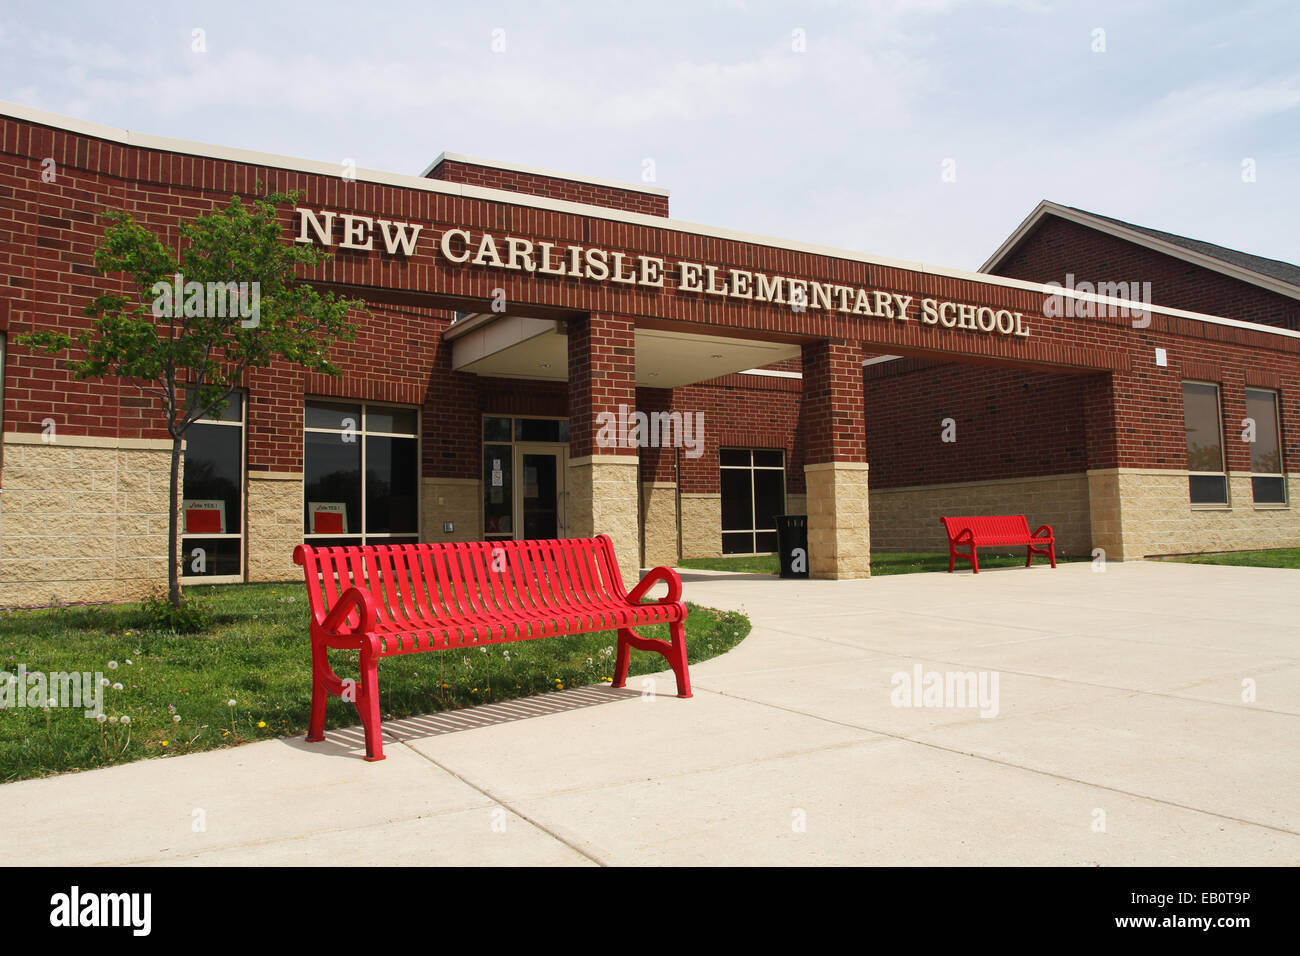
(1007, 422)
(554, 187)
(1059, 247)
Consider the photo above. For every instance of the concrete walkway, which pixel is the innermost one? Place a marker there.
(1121, 737)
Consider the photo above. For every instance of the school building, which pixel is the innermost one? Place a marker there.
(547, 355)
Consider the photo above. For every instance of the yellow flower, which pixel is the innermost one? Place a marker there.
(261, 723)
(474, 691)
(164, 743)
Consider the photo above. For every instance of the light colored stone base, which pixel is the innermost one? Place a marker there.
(701, 525)
(839, 538)
(907, 519)
(1139, 512)
(275, 525)
(659, 523)
(458, 500)
(82, 519)
(603, 498)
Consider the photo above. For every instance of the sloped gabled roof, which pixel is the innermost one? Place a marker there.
(1272, 274)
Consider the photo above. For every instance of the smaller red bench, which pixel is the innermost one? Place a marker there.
(986, 531)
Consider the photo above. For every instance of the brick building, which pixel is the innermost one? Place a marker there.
(521, 321)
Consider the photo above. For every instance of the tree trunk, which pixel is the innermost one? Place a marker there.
(173, 528)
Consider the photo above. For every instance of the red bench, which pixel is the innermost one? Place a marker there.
(403, 599)
(992, 530)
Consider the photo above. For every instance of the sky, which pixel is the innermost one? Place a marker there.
(924, 131)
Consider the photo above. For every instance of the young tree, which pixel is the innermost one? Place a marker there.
(229, 300)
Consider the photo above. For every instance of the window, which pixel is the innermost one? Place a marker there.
(1207, 481)
(1267, 481)
(753, 494)
(345, 503)
(212, 495)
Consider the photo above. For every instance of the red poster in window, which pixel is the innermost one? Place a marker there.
(204, 517)
(327, 523)
(328, 517)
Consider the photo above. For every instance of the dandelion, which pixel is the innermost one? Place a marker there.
(474, 691)
(112, 720)
(100, 718)
(261, 723)
(117, 687)
(128, 663)
(164, 743)
(176, 718)
(103, 682)
(230, 703)
(482, 650)
(126, 720)
(112, 665)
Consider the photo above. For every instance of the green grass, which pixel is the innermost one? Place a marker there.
(882, 562)
(1276, 558)
(257, 653)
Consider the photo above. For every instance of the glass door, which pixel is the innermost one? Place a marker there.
(539, 490)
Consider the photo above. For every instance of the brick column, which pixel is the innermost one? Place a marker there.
(835, 460)
(602, 478)
(1105, 491)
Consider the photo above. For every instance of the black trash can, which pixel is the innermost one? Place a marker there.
(792, 545)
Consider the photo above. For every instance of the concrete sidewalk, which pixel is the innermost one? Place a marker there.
(1121, 737)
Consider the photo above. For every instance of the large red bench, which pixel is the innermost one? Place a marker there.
(987, 531)
(403, 599)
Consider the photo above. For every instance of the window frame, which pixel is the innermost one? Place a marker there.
(1285, 503)
(364, 538)
(752, 531)
(1226, 504)
(242, 534)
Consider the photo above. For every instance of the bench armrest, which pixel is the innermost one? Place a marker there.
(352, 599)
(1039, 532)
(964, 536)
(658, 574)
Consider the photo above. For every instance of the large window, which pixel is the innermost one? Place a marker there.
(1208, 480)
(753, 494)
(212, 505)
(361, 481)
(1268, 483)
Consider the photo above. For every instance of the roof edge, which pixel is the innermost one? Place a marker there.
(549, 173)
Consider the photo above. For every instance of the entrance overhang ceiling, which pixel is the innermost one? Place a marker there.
(513, 346)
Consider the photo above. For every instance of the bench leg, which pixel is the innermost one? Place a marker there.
(319, 693)
(952, 558)
(674, 654)
(623, 658)
(368, 703)
(1029, 556)
(974, 559)
(677, 658)
(1052, 552)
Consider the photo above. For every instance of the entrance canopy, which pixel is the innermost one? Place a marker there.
(515, 346)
